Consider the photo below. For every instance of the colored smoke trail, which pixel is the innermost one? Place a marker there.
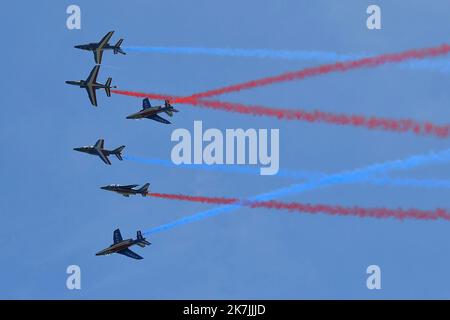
(329, 180)
(319, 56)
(316, 116)
(442, 66)
(316, 208)
(407, 182)
(297, 174)
(293, 174)
(343, 66)
(201, 199)
(325, 69)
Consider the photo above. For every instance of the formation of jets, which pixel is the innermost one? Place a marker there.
(91, 85)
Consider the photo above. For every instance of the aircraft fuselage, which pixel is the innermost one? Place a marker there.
(117, 247)
(90, 150)
(146, 113)
(94, 46)
(85, 84)
(122, 191)
(127, 190)
(93, 151)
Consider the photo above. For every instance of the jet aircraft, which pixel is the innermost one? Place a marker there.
(128, 190)
(150, 112)
(98, 47)
(91, 84)
(98, 150)
(121, 246)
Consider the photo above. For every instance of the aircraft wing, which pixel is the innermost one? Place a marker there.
(117, 237)
(105, 40)
(158, 118)
(98, 54)
(93, 75)
(129, 253)
(92, 95)
(131, 186)
(146, 104)
(103, 157)
(100, 144)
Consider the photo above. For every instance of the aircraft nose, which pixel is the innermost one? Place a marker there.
(77, 149)
(104, 188)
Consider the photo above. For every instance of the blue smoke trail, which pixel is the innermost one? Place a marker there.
(439, 65)
(405, 182)
(252, 53)
(292, 174)
(225, 168)
(329, 180)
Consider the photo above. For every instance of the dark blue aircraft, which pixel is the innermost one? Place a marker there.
(98, 47)
(99, 150)
(91, 84)
(127, 190)
(149, 112)
(121, 246)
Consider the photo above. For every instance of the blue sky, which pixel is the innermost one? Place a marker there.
(55, 215)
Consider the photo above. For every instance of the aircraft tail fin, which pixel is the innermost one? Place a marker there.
(169, 109)
(144, 189)
(118, 152)
(108, 87)
(117, 48)
(141, 241)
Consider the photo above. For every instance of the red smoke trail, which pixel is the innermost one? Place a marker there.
(146, 95)
(325, 69)
(317, 208)
(311, 72)
(401, 125)
(193, 198)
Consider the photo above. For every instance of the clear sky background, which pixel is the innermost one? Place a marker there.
(54, 214)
